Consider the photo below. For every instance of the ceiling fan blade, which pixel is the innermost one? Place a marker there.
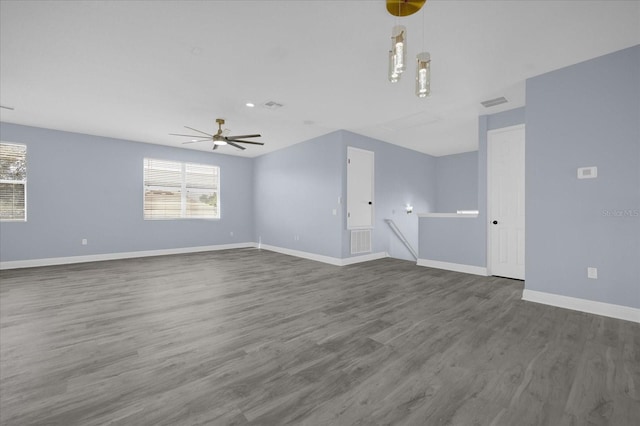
(199, 131)
(201, 140)
(236, 145)
(251, 142)
(243, 136)
(188, 136)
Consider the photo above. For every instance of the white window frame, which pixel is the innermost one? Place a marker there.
(17, 182)
(183, 191)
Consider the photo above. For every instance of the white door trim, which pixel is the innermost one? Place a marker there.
(489, 213)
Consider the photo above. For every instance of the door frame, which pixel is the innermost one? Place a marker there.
(489, 194)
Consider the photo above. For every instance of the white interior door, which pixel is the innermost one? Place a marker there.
(359, 188)
(505, 151)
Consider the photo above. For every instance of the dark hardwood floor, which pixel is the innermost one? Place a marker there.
(250, 337)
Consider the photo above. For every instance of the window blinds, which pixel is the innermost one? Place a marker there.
(13, 181)
(175, 190)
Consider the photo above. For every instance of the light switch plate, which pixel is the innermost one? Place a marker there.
(592, 273)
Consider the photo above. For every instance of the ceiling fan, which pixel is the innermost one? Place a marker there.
(219, 139)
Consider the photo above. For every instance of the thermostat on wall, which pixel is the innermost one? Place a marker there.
(587, 172)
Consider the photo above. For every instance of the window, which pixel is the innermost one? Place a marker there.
(175, 190)
(13, 182)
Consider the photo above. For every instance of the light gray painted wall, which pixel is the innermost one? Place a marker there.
(296, 190)
(82, 186)
(457, 182)
(402, 176)
(452, 240)
(585, 115)
(464, 241)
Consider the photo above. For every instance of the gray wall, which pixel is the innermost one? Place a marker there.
(402, 176)
(456, 240)
(296, 191)
(585, 115)
(82, 186)
(457, 182)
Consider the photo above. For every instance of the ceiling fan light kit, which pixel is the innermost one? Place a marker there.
(397, 54)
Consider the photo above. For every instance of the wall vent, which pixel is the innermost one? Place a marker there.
(494, 102)
(272, 105)
(361, 241)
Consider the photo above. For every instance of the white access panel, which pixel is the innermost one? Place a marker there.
(359, 188)
(505, 152)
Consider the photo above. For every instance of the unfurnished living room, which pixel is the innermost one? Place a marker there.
(305, 212)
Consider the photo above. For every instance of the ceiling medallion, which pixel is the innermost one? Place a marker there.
(404, 7)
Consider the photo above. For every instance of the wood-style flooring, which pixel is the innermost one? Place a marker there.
(251, 337)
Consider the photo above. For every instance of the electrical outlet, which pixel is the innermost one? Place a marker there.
(592, 273)
(231, 233)
(84, 242)
(334, 212)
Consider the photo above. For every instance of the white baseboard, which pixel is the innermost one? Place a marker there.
(30, 263)
(336, 261)
(457, 267)
(364, 258)
(583, 305)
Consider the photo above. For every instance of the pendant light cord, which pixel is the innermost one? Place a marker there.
(423, 29)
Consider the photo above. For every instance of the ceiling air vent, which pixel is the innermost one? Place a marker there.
(272, 105)
(494, 102)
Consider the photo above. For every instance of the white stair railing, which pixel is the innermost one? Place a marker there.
(399, 234)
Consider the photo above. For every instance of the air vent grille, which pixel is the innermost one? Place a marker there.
(361, 241)
(272, 105)
(494, 102)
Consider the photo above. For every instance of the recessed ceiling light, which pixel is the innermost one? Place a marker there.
(250, 104)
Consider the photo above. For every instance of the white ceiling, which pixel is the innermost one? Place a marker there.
(140, 70)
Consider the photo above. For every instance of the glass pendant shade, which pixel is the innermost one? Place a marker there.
(423, 74)
(393, 75)
(398, 48)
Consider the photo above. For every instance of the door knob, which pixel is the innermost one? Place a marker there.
(495, 222)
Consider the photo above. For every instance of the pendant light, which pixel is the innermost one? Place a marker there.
(423, 74)
(423, 69)
(398, 52)
(393, 75)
